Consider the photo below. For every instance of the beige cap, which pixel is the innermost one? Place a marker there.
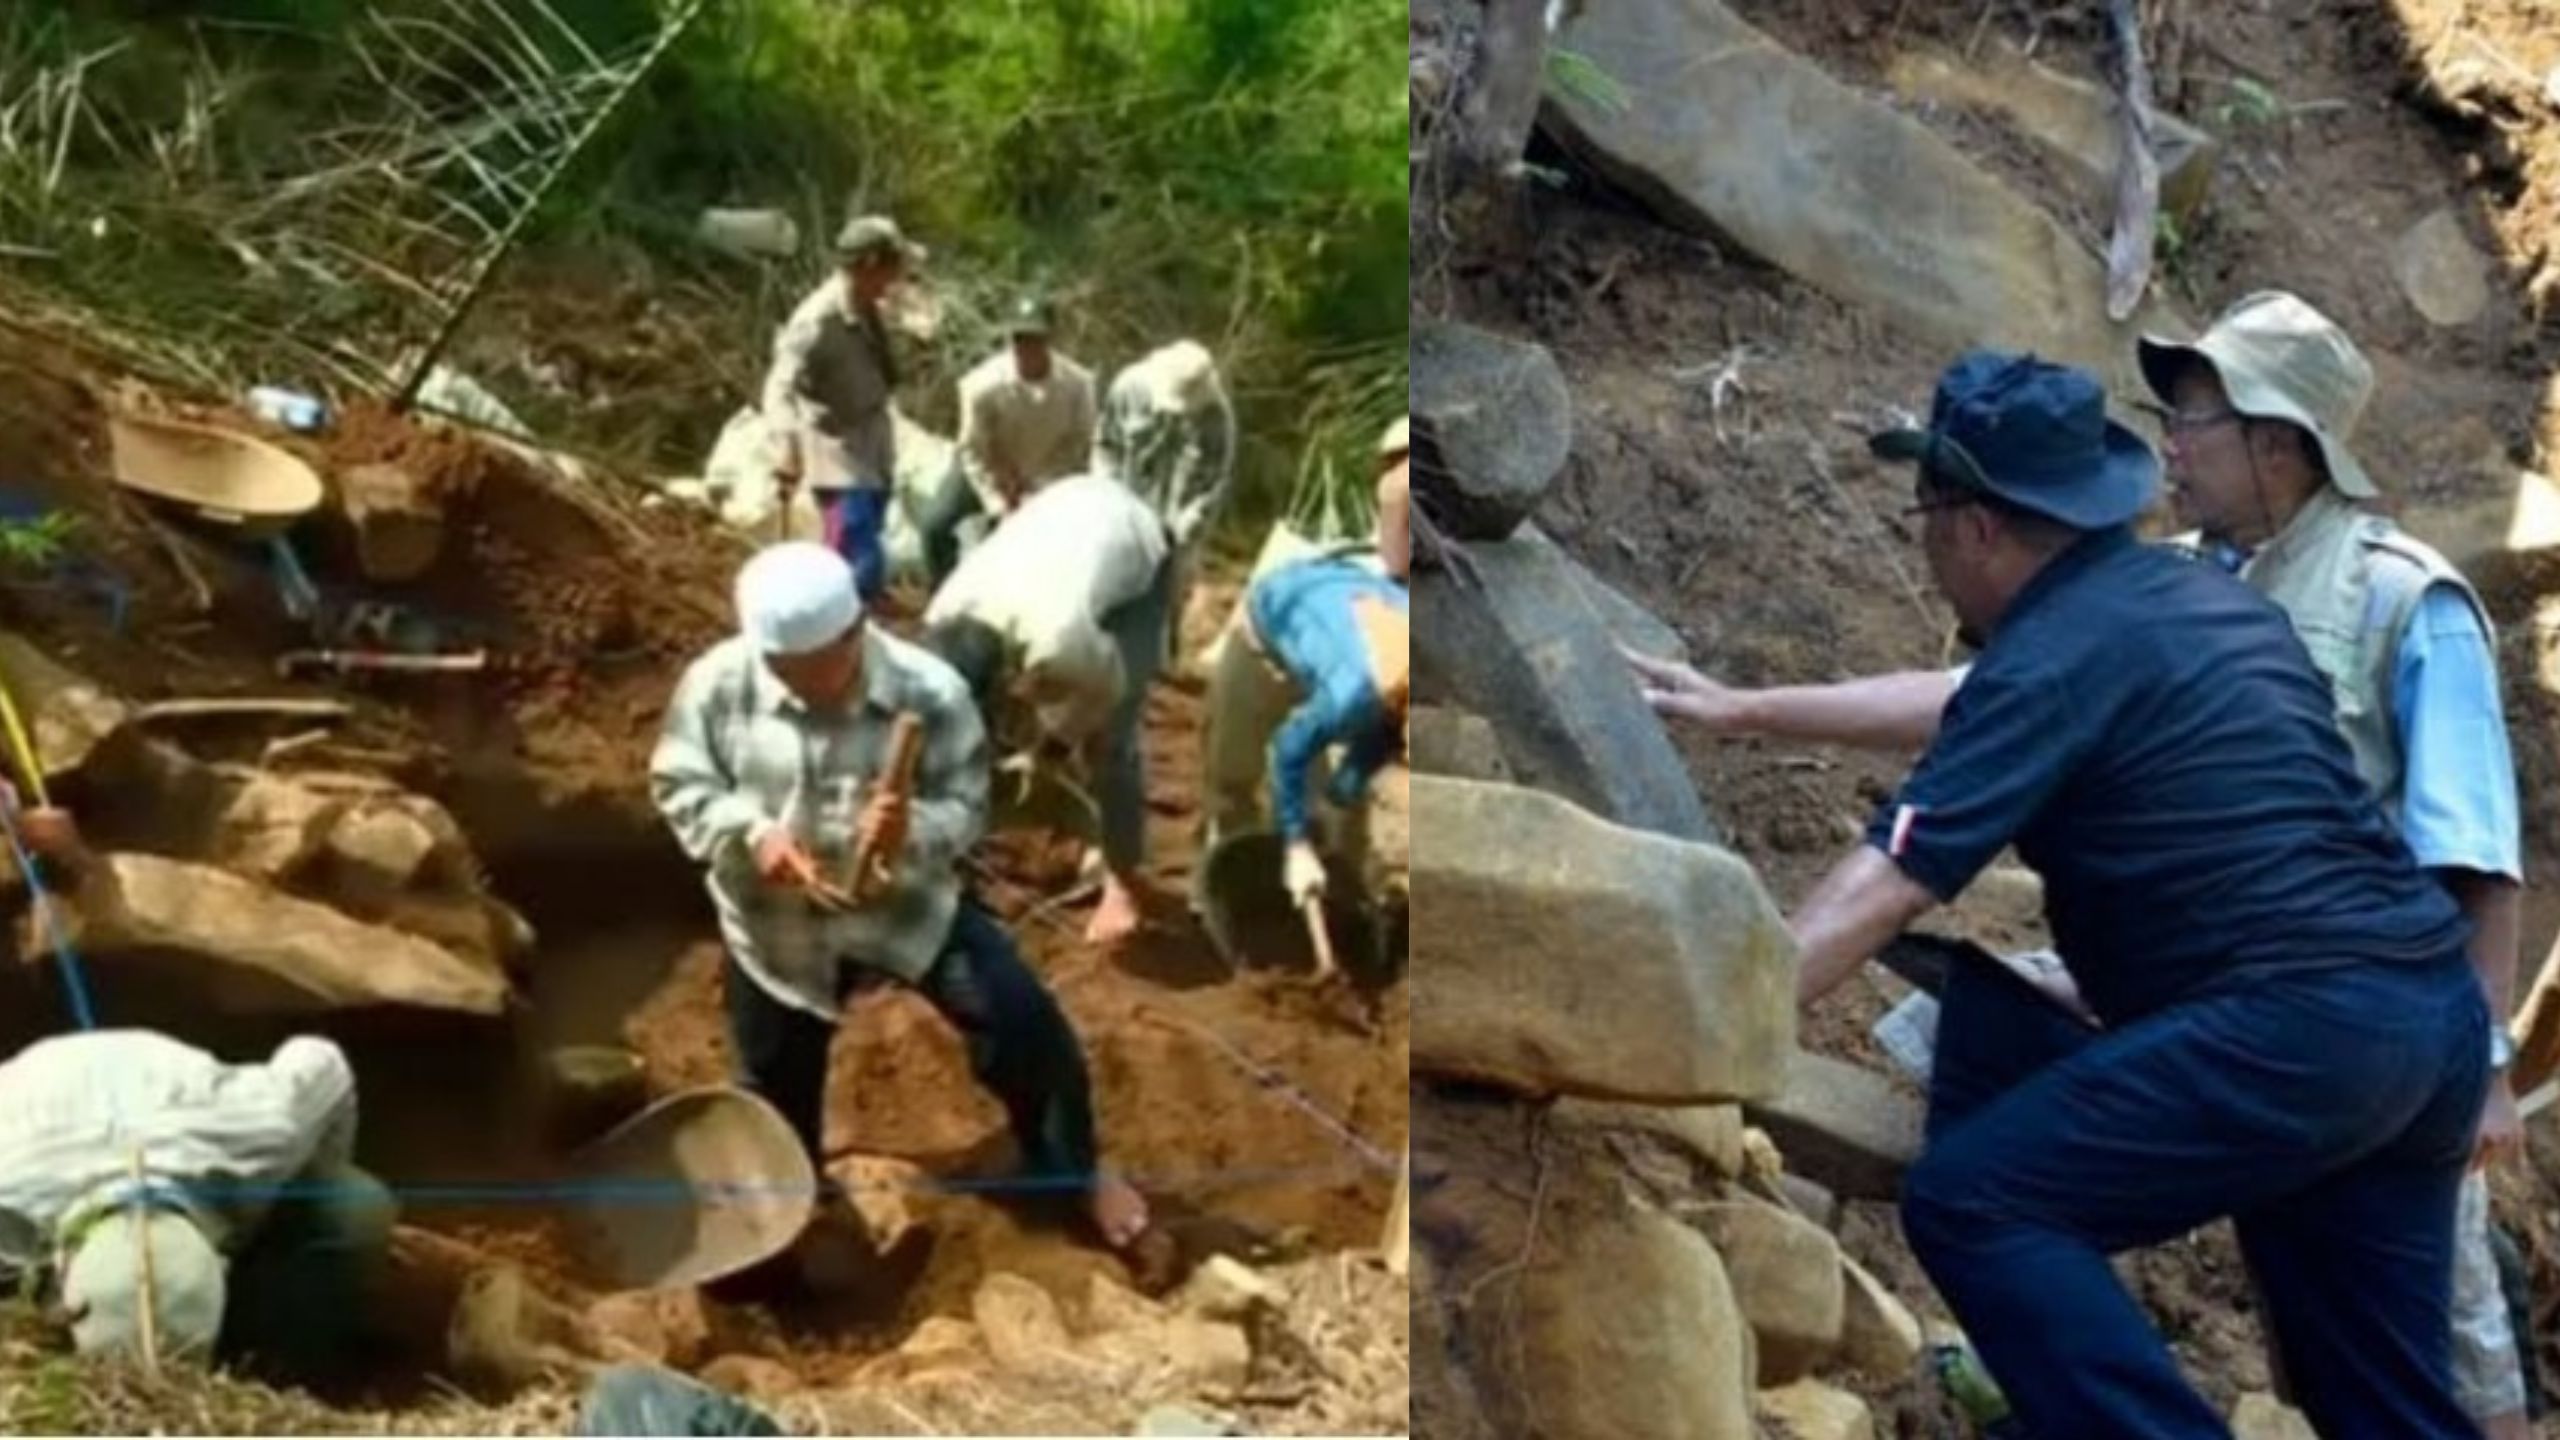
(870, 234)
(2279, 359)
(1397, 440)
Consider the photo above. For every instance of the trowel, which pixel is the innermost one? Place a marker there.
(1246, 909)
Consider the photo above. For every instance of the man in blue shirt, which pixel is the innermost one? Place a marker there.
(1320, 656)
(1341, 632)
(2291, 1035)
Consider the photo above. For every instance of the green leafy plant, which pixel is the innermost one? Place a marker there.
(37, 544)
(2251, 106)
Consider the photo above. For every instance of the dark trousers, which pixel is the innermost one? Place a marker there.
(1019, 1043)
(2329, 1113)
(300, 1288)
(944, 522)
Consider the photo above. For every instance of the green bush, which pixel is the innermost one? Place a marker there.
(289, 189)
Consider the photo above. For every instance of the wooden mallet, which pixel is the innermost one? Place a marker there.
(872, 871)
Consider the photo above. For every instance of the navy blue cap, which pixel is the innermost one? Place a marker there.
(2033, 434)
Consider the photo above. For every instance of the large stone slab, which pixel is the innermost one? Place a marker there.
(1499, 422)
(2071, 119)
(1556, 953)
(1848, 1127)
(1708, 1134)
(1786, 1277)
(1627, 622)
(1443, 741)
(1628, 1327)
(1723, 129)
(1878, 1333)
(245, 949)
(67, 714)
(1811, 1410)
(1524, 648)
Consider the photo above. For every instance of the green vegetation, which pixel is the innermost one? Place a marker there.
(295, 190)
(38, 543)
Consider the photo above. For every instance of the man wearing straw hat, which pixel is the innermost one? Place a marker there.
(827, 393)
(771, 770)
(2259, 412)
(1321, 657)
(188, 1209)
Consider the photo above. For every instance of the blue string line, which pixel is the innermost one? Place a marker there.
(1277, 1084)
(83, 1013)
(672, 1191)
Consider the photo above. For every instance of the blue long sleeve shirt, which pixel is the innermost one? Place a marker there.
(1303, 614)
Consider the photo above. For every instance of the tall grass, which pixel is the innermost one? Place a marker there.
(287, 189)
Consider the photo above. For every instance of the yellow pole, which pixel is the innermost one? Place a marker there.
(28, 770)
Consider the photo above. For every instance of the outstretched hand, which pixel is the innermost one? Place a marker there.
(1677, 691)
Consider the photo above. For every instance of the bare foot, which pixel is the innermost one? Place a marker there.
(1119, 1211)
(1116, 918)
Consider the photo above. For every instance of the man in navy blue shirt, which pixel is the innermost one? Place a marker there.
(2291, 1037)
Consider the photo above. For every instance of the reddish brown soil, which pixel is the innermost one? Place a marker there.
(1232, 1164)
(593, 606)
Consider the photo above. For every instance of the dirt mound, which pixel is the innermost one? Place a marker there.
(590, 606)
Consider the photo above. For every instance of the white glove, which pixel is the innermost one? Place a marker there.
(1303, 874)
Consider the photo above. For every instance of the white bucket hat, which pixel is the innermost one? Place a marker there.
(2279, 359)
(797, 597)
(1398, 440)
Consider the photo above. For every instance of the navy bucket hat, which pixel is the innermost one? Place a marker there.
(2033, 434)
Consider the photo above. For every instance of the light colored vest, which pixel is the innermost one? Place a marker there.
(2350, 580)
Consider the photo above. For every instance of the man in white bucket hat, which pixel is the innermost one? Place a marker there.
(2259, 413)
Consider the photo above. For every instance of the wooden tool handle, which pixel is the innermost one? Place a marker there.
(1322, 935)
(872, 872)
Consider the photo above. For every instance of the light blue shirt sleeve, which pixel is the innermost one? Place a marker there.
(2458, 795)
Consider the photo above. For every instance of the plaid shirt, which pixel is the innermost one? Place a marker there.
(739, 753)
(77, 1108)
(1179, 461)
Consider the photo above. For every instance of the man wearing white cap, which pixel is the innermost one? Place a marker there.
(1065, 609)
(770, 770)
(190, 1209)
(827, 393)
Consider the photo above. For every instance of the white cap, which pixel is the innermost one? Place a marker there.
(796, 598)
(1184, 376)
(103, 1287)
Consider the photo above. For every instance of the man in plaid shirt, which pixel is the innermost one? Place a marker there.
(768, 771)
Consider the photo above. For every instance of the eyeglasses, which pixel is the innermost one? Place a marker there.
(2188, 422)
(1956, 501)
